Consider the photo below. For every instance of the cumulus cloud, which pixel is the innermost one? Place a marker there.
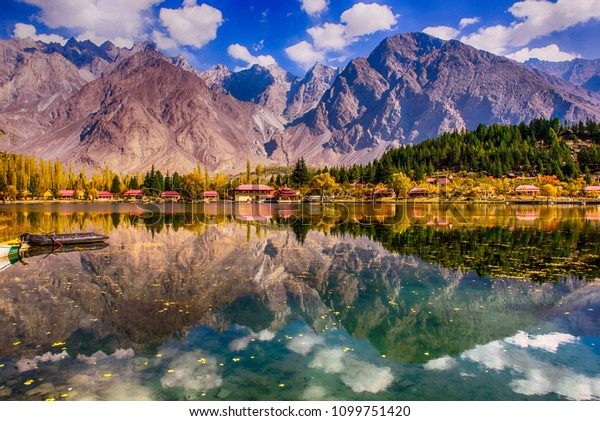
(440, 364)
(102, 19)
(240, 52)
(314, 393)
(305, 54)
(533, 20)
(365, 377)
(314, 7)
(163, 42)
(330, 36)
(549, 342)
(494, 39)
(464, 22)
(537, 377)
(360, 376)
(193, 372)
(360, 20)
(304, 344)
(243, 342)
(192, 25)
(23, 30)
(329, 360)
(549, 53)
(365, 19)
(442, 32)
(26, 364)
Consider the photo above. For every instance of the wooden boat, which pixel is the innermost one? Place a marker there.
(62, 239)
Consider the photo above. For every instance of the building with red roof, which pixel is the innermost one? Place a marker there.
(210, 196)
(527, 189)
(105, 195)
(252, 192)
(170, 195)
(133, 194)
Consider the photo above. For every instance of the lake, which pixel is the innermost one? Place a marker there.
(233, 301)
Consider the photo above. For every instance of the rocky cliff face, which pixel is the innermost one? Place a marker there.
(273, 88)
(581, 72)
(414, 86)
(147, 111)
(131, 108)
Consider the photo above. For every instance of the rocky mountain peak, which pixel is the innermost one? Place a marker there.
(414, 86)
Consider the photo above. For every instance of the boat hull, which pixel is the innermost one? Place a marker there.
(63, 239)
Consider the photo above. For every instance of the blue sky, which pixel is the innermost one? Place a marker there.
(297, 33)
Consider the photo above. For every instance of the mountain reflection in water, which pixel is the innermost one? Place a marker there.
(409, 294)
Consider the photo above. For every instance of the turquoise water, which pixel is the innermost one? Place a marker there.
(385, 302)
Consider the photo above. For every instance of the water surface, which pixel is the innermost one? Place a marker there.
(274, 302)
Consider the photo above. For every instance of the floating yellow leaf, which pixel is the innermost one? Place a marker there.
(29, 382)
(170, 371)
(50, 399)
(16, 343)
(107, 375)
(567, 312)
(456, 309)
(281, 385)
(235, 359)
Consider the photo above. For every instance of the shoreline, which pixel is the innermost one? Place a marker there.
(508, 201)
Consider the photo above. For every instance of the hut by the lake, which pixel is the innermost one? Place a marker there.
(105, 195)
(527, 190)
(170, 195)
(210, 196)
(252, 192)
(66, 194)
(133, 194)
(418, 192)
(592, 190)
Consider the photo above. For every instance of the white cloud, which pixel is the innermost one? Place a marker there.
(364, 19)
(442, 32)
(537, 377)
(163, 42)
(533, 20)
(549, 342)
(304, 54)
(192, 371)
(365, 377)
(549, 53)
(360, 20)
(23, 30)
(240, 52)
(314, 7)
(192, 25)
(329, 360)
(330, 36)
(104, 19)
(494, 39)
(242, 343)
(464, 22)
(440, 364)
(360, 376)
(304, 344)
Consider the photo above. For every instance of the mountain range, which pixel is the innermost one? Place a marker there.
(98, 106)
